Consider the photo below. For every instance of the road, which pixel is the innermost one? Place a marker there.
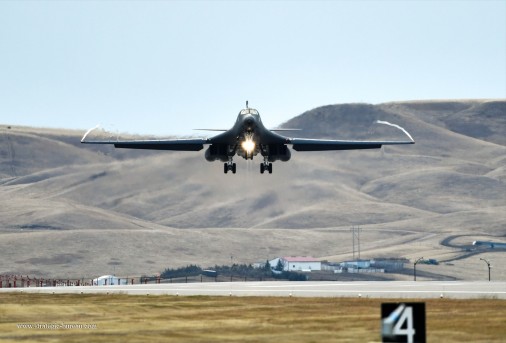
(372, 289)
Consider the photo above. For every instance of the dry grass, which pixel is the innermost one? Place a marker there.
(246, 319)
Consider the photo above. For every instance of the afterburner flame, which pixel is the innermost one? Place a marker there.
(248, 145)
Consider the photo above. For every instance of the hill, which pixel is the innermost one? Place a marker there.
(69, 209)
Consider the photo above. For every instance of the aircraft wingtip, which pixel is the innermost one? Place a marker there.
(88, 132)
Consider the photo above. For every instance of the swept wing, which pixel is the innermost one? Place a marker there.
(305, 144)
(157, 144)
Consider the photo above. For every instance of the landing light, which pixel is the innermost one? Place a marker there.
(248, 145)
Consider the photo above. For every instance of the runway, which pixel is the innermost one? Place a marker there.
(373, 289)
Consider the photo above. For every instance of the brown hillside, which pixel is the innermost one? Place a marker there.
(143, 211)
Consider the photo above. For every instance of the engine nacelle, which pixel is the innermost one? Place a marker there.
(216, 152)
(279, 153)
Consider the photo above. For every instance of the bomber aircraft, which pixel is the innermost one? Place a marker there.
(248, 138)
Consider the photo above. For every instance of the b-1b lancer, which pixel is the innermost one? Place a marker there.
(247, 138)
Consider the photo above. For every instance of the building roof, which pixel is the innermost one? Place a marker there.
(300, 259)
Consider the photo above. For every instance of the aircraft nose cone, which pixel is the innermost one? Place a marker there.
(249, 123)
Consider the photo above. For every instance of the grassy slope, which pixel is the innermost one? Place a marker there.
(149, 210)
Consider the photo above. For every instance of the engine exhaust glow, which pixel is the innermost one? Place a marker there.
(248, 145)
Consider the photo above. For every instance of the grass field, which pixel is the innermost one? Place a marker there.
(233, 319)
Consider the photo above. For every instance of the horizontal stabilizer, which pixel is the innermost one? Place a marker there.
(222, 130)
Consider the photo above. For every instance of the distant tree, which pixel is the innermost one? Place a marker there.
(280, 266)
(191, 270)
(267, 266)
(237, 270)
(290, 276)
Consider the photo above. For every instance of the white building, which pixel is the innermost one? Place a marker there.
(109, 280)
(359, 266)
(356, 264)
(274, 262)
(300, 263)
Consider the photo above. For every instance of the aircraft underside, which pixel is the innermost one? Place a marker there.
(269, 152)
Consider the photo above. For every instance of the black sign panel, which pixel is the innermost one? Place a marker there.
(403, 322)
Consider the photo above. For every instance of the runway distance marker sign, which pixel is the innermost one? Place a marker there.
(403, 322)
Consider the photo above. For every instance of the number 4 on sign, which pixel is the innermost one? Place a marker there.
(403, 322)
(408, 330)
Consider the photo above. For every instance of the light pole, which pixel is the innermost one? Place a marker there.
(414, 266)
(488, 265)
(231, 266)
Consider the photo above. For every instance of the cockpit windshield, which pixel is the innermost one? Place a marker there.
(248, 111)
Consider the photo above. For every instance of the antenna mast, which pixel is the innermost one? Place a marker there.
(355, 235)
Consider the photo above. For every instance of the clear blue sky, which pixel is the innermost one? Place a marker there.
(168, 67)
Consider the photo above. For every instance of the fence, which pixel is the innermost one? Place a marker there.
(20, 281)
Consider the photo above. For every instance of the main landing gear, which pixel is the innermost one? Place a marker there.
(229, 166)
(265, 166)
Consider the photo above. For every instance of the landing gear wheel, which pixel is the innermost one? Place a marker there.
(264, 167)
(229, 166)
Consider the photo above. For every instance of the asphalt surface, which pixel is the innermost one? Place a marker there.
(372, 289)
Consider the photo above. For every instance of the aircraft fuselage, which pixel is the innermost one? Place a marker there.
(247, 138)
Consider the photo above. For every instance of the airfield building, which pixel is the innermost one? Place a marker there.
(297, 263)
(109, 280)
